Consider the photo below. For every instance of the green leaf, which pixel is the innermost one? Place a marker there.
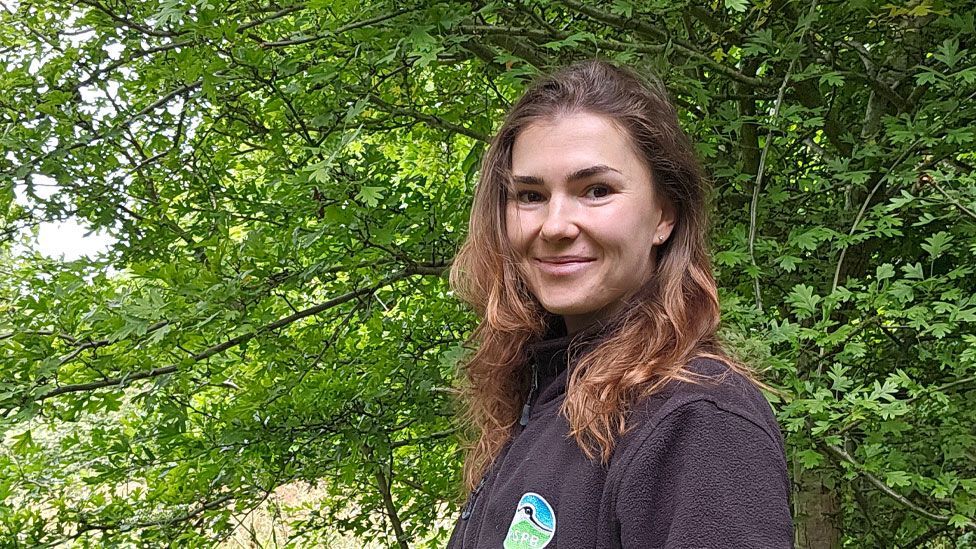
(810, 459)
(948, 52)
(832, 79)
(898, 478)
(913, 271)
(902, 291)
(804, 300)
(170, 13)
(789, 262)
(24, 443)
(371, 195)
(928, 76)
(960, 521)
(840, 381)
(936, 244)
(571, 41)
(622, 7)
(472, 160)
(730, 258)
(737, 5)
(810, 239)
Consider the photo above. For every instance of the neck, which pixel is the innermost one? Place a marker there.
(578, 323)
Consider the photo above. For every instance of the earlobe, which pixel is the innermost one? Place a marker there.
(666, 225)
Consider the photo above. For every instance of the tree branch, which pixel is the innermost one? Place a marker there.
(84, 142)
(127, 22)
(544, 36)
(426, 438)
(955, 202)
(428, 118)
(102, 343)
(754, 203)
(841, 454)
(276, 15)
(344, 28)
(391, 511)
(85, 527)
(236, 341)
(678, 44)
(67, 337)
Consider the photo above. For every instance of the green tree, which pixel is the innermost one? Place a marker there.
(287, 183)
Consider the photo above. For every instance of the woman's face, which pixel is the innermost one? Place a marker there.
(583, 217)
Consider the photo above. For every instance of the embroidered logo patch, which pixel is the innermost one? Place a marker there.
(533, 525)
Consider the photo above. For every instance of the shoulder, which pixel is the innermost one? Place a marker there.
(702, 466)
(716, 400)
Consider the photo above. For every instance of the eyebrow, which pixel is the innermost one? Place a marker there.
(584, 173)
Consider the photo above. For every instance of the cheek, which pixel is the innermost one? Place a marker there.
(629, 237)
(513, 229)
(624, 230)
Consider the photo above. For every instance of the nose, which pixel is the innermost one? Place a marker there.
(561, 219)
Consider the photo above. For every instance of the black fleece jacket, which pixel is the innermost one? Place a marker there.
(704, 466)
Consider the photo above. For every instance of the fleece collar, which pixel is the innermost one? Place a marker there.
(551, 357)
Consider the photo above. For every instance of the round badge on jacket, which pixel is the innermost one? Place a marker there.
(533, 525)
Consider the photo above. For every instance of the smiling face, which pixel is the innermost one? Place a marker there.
(583, 217)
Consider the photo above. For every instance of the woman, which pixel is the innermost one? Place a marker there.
(606, 413)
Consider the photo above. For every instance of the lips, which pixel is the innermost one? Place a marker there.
(566, 259)
(564, 265)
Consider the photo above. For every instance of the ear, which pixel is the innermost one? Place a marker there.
(665, 225)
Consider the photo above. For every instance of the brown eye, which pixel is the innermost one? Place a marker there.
(528, 196)
(599, 191)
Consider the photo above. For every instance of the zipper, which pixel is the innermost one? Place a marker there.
(469, 508)
(527, 408)
(523, 421)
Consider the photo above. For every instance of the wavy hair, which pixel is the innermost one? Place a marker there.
(668, 321)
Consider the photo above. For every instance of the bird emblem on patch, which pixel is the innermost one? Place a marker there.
(533, 525)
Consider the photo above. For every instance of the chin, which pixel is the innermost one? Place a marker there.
(571, 309)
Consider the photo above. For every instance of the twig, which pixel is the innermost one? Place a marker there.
(345, 28)
(63, 336)
(432, 436)
(129, 23)
(679, 45)
(233, 342)
(939, 389)
(965, 210)
(84, 527)
(428, 118)
(754, 204)
(86, 141)
(883, 178)
(276, 15)
(864, 207)
(905, 502)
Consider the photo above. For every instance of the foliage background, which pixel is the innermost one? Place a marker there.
(288, 181)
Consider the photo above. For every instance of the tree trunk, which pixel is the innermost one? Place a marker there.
(816, 512)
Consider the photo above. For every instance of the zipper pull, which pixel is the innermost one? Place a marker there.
(525, 415)
(524, 420)
(474, 495)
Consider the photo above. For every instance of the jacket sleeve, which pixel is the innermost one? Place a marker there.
(705, 477)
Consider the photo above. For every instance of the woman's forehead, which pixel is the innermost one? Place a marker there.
(572, 145)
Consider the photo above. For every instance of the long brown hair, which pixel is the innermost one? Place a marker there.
(671, 319)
